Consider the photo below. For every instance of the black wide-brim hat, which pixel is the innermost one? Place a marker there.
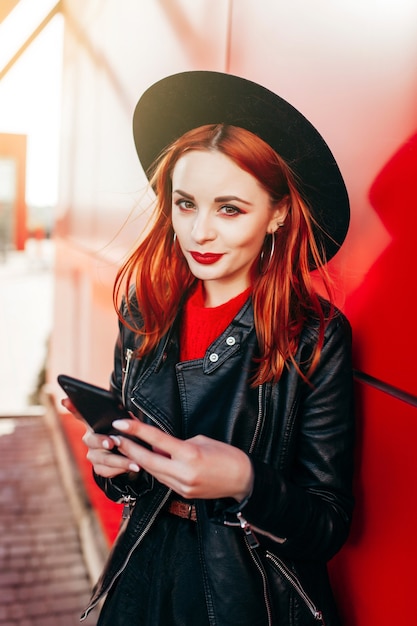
(181, 102)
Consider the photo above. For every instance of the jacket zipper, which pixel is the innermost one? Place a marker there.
(128, 358)
(253, 543)
(255, 558)
(128, 502)
(251, 531)
(135, 545)
(251, 539)
(249, 534)
(244, 524)
(152, 418)
(258, 421)
(295, 583)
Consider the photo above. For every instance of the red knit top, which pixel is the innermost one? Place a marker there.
(202, 325)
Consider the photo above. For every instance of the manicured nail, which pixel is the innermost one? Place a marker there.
(134, 468)
(106, 444)
(116, 439)
(121, 424)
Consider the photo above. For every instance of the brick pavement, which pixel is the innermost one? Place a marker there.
(44, 580)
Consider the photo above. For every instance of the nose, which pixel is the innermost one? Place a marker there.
(203, 229)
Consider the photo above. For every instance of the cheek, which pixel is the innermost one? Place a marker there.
(176, 224)
(173, 218)
(251, 245)
(182, 235)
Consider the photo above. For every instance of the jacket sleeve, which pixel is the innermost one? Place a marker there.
(311, 505)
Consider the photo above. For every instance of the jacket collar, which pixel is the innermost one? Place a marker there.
(230, 340)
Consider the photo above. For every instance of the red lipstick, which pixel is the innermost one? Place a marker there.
(206, 259)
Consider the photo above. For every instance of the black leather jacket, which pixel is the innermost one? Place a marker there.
(265, 559)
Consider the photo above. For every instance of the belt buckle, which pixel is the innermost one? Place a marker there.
(187, 511)
(183, 509)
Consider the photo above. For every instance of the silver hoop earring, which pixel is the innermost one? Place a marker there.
(264, 270)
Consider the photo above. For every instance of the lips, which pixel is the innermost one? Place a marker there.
(207, 258)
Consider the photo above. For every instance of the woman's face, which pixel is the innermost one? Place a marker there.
(221, 215)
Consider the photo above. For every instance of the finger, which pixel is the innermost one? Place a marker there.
(106, 471)
(93, 440)
(165, 444)
(66, 402)
(112, 462)
(161, 466)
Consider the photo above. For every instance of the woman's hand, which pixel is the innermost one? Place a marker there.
(105, 462)
(196, 468)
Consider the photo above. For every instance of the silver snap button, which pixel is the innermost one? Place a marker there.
(214, 357)
(230, 341)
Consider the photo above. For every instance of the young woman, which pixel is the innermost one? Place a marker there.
(237, 374)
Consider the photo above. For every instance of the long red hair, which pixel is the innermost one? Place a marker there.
(158, 277)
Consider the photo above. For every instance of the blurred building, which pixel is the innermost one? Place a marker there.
(12, 192)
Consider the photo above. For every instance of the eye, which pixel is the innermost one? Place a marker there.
(230, 210)
(185, 205)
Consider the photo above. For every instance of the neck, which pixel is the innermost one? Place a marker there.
(216, 295)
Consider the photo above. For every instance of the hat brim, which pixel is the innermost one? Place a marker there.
(181, 102)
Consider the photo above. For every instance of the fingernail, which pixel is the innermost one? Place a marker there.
(134, 468)
(121, 425)
(116, 439)
(106, 444)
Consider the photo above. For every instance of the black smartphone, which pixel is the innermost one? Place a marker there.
(98, 406)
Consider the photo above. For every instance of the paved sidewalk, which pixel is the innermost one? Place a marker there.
(43, 575)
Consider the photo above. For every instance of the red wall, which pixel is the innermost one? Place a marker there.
(374, 573)
(350, 68)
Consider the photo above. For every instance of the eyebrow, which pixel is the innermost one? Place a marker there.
(183, 193)
(218, 199)
(229, 198)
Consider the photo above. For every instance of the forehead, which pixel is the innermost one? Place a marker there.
(211, 168)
